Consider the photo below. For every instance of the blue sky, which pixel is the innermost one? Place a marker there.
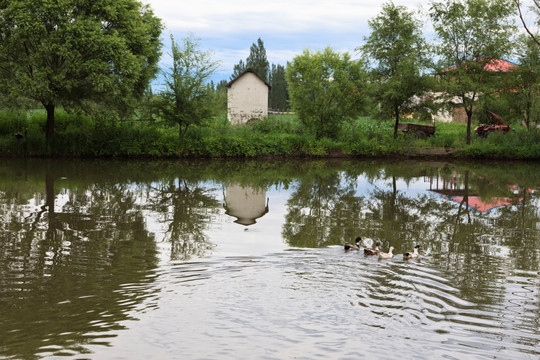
(228, 28)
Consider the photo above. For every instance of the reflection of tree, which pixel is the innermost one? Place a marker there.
(394, 220)
(188, 209)
(322, 211)
(63, 272)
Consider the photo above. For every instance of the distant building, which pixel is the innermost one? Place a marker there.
(457, 112)
(247, 98)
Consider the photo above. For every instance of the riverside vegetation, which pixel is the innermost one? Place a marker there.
(78, 135)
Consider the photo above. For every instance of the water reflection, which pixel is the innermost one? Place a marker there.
(187, 208)
(87, 246)
(245, 203)
(75, 261)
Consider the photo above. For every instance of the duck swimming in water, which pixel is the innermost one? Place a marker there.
(375, 251)
(414, 254)
(353, 246)
(387, 255)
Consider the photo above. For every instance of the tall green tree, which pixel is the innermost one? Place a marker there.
(471, 33)
(278, 98)
(399, 56)
(326, 89)
(66, 51)
(257, 60)
(526, 100)
(188, 97)
(238, 69)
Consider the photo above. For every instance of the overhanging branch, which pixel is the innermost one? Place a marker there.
(537, 41)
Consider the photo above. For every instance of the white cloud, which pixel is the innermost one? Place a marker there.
(228, 28)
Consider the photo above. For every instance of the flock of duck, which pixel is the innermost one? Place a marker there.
(377, 251)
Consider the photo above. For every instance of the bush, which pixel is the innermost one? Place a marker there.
(105, 136)
(12, 122)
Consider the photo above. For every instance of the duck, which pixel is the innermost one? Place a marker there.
(355, 246)
(387, 255)
(374, 251)
(414, 254)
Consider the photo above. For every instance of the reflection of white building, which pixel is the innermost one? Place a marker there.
(245, 204)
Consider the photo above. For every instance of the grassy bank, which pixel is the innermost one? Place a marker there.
(279, 135)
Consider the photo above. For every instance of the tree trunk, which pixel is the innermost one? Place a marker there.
(396, 112)
(469, 120)
(49, 128)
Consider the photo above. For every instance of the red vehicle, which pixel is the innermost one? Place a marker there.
(497, 125)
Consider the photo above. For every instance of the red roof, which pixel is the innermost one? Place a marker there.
(483, 206)
(495, 65)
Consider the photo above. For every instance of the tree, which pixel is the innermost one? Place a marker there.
(325, 88)
(399, 54)
(527, 100)
(188, 97)
(64, 52)
(238, 69)
(536, 9)
(257, 60)
(472, 33)
(278, 98)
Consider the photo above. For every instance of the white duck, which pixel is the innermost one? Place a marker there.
(388, 255)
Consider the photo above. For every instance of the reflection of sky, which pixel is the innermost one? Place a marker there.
(264, 237)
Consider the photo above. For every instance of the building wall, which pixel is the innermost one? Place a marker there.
(247, 98)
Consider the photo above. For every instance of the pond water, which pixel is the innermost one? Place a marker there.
(245, 260)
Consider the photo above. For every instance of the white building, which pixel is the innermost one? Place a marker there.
(247, 98)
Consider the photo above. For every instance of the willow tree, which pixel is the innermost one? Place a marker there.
(67, 51)
(471, 34)
(398, 52)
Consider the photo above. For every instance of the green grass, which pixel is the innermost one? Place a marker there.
(78, 135)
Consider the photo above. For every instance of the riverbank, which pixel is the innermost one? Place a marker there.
(275, 137)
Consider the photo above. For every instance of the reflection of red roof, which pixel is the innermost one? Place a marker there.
(484, 206)
(495, 65)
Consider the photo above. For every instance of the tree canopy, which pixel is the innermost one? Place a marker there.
(188, 97)
(399, 55)
(256, 61)
(278, 97)
(326, 88)
(471, 33)
(66, 51)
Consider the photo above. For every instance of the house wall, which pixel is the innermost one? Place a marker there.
(247, 98)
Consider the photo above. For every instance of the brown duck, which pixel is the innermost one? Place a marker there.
(374, 251)
(355, 246)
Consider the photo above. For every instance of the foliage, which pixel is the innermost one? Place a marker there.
(326, 89)
(279, 96)
(238, 69)
(535, 9)
(471, 33)
(81, 136)
(63, 52)
(526, 101)
(257, 60)
(188, 99)
(399, 54)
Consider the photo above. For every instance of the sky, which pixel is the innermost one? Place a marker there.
(286, 27)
